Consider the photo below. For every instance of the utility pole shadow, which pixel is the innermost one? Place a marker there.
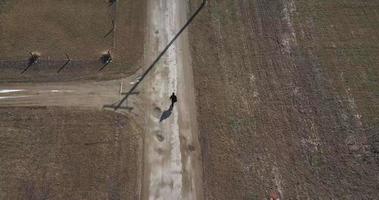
(65, 64)
(110, 31)
(161, 54)
(106, 35)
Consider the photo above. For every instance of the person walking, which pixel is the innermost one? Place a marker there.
(173, 98)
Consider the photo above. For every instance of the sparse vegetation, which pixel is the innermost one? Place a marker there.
(59, 153)
(56, 28)
(305, 122)
(67, 152)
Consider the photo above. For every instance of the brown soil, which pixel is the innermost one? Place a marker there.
(81, 29)
(287, 97)
(59, 153)
(74, 151)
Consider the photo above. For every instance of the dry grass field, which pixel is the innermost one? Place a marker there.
(287, 96)
(66, 153)
(54, 28)
(81, 29)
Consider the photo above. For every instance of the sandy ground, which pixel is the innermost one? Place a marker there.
(91, 94)
(171, 148)
(86, 94)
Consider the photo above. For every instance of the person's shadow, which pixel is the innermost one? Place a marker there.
(166, 114)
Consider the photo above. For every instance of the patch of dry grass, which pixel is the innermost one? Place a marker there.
(56, 153)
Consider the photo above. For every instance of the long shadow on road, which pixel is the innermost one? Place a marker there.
(158, 57)
(166, 114)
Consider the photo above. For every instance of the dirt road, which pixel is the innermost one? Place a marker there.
(86, 94)
(171, 149)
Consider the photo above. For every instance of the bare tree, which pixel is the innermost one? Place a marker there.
(111, 2)
(106, 58)
(33, 59)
